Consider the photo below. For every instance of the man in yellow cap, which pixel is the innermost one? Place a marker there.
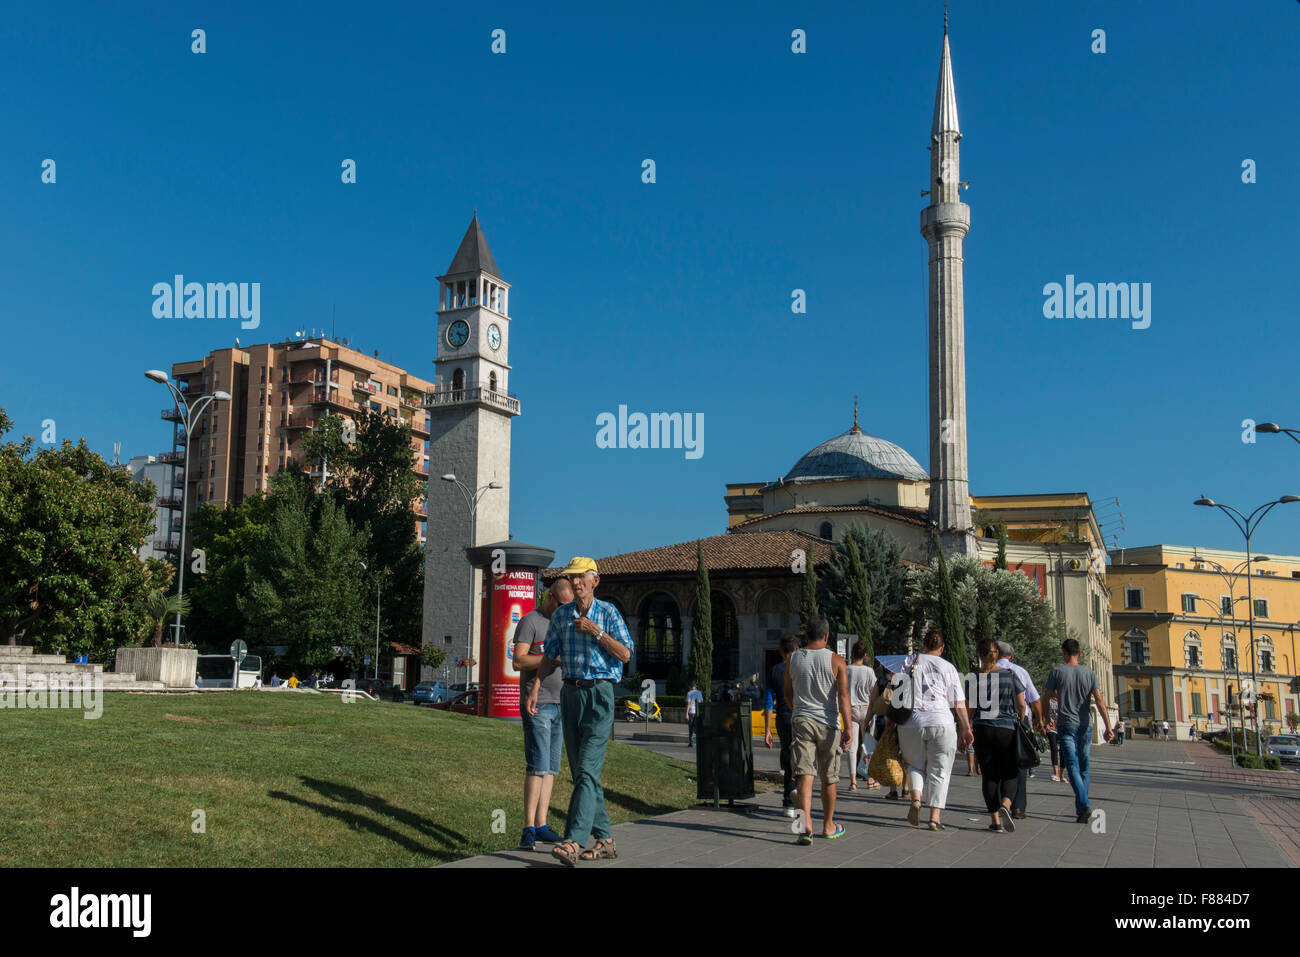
(589, 640)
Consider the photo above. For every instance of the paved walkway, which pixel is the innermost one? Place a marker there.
(1161, 810)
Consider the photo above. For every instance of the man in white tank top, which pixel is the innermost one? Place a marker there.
(817, 689)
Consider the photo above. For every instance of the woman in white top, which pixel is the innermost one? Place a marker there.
(862, 682)
(929, 739)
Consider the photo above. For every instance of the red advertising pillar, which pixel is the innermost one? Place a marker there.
(511, 571)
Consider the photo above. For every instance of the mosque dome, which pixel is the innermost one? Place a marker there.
(856, 455)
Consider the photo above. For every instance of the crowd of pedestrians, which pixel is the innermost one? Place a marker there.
(919, 718)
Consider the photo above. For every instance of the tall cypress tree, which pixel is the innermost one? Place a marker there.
(808, 603)
(857, 613)
(950, 617)
(702, 634)
(1000, 563)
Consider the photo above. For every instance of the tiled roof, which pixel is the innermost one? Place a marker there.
(400, 648)
(749, 551)
(907, 516)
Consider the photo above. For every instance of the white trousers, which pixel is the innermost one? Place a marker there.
(928, 754)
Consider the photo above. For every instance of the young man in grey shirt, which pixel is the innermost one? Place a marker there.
(543, 732)
(1072, 685)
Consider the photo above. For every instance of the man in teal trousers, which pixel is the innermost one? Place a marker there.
(589, 640)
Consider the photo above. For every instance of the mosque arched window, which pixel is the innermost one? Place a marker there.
(726, 637)
(659, 636)
(825, 531)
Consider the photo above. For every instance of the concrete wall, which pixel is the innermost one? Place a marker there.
(174, 667)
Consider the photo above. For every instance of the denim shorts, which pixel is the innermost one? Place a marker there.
(543, 739)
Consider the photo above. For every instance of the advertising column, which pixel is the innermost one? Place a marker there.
(510, 594)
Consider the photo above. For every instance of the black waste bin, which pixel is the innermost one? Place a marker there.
(724, 754)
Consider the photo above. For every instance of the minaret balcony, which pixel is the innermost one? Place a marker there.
(506, 402)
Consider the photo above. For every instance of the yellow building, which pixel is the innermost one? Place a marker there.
(1181, 635)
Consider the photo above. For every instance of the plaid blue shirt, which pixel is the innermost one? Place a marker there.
(580, 654)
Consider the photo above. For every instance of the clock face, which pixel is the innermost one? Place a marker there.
(458, 333)
(494, 336)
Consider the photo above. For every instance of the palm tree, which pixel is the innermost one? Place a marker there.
(160, 607)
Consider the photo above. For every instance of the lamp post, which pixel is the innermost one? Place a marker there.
(1236, 661)
(1248, 525)
(190, 415)
(1272, 428)
(378, 586)
(471, 502)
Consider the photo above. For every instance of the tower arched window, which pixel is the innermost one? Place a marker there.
(492, 382)
(458, 381)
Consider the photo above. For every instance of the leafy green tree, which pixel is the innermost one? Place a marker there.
(702, 633)
(950, 619)
(432, 656)
(71, 579)
(808, 600)
(160, 607)
(307, 588)
(887, 586)
(372, 479)
(232, 538)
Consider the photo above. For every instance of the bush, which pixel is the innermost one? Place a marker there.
(1272, 764)
(1255, 762)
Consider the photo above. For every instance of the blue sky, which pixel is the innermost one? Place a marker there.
(775, 171)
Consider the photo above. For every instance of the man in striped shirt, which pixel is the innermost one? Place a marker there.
(589, 640)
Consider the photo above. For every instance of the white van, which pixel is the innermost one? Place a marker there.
(218, 671)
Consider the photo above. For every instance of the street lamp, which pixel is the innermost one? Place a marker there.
(471, 502)
(1236, 661)
(189, 415)
(378, 585)
(1272, 428)
(1248, 525)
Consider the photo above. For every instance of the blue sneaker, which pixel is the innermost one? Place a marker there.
(529, 841)
(544, 833)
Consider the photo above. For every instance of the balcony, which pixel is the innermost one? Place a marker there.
(170, 545)
(169, 501)
(505, 401)
(421, 470)
(300, 422)
(331, 397)
(193, 389)
(306, 376)
(420, 426)
(171, 415)
(365, 385)
(421, 511)
(181, 437)
(411, 401)
(172, 458)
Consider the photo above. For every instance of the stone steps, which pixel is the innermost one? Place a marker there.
(21, 670)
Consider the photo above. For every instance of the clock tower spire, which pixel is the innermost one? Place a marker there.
(470, 411)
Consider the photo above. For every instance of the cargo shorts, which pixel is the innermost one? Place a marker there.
(816, 749)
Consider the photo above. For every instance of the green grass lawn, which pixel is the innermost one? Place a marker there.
(285, 780)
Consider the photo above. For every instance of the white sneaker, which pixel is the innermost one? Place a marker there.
(791, 812)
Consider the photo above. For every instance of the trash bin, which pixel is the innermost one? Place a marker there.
(724, 754)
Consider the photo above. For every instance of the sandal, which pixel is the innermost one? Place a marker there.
(604, 847)
(914, 814)
(805, 839)
(838, 832)
(872, 785)
(936, 826)
(561, 852)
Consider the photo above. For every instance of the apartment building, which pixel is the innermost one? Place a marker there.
(279, 392)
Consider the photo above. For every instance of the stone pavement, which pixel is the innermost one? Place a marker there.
(1161, 810)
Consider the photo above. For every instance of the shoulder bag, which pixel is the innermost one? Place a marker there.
(899, 710)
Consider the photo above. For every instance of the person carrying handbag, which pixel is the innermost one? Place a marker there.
(922, 707)
(995, 700)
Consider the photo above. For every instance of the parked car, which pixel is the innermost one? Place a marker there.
(466, 703)
(378, 688)
(461, 687)
(1285, 746)
(431, 692)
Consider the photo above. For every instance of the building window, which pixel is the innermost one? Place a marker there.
(1196, 705)
(659, 638)
(262, 377)
(259, 446)
(1225, 604)
(1189, 604)
(392, 390)
(1261, 607)
(1137, 701)
(825, 531)
(1096, 608)
(1270, 710)
(1180, 565)
(1137, 653)
(1228, 653)
(1132, 597)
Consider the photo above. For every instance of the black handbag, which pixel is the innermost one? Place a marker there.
(900, 714)
(1026, 749)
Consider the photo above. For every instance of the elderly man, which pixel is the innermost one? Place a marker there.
(543, 733)
(1033, 704)
(590, 640)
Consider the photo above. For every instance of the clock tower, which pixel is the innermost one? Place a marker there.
(469, 436)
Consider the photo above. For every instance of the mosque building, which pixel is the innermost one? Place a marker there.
(854, 477)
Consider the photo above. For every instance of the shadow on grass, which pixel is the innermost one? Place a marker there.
(453, 841)
(637, 806)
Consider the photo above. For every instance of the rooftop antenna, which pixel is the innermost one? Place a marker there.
(333, 319)
(117, 451)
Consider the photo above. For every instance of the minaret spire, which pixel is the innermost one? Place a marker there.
(944, 224)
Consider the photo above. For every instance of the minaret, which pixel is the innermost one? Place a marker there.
(944, 224)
